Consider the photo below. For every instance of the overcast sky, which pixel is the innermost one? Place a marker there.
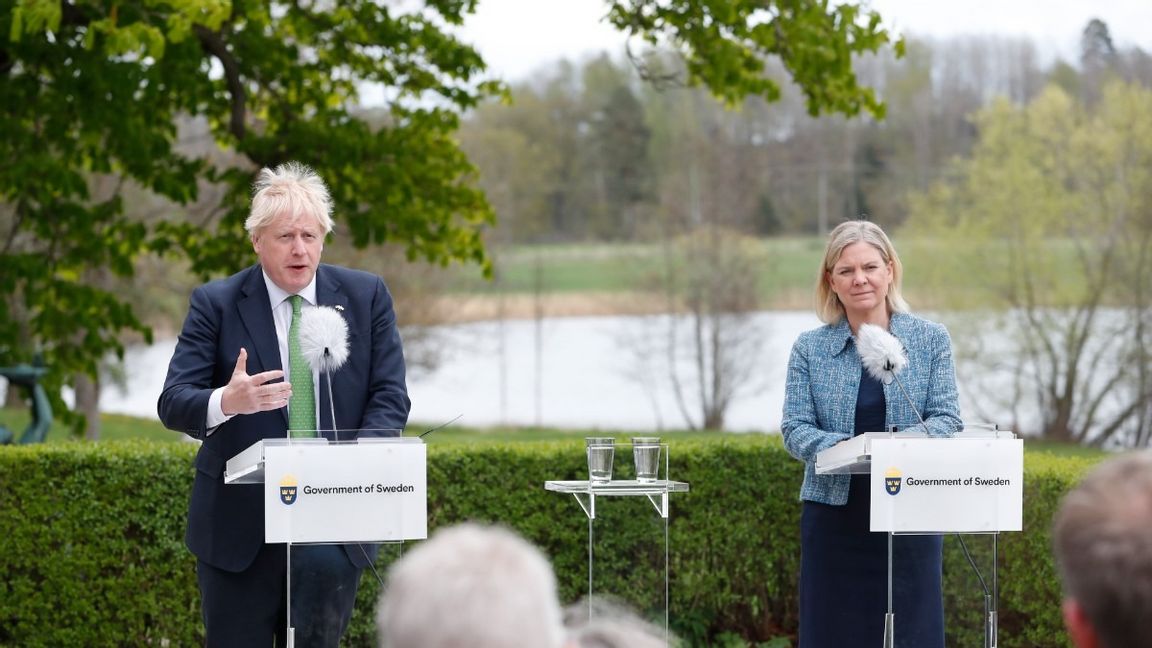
(517, 37)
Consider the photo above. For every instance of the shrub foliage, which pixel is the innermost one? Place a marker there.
(93, 550)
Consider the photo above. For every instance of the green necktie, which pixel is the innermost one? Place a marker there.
(302, 406)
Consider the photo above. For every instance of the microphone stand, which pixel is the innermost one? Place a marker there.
(331, 403)
(890, 618)
(991, 614)
(888, 366)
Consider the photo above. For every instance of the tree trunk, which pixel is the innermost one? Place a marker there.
(714, 419)
(88, 404)
(13, 398)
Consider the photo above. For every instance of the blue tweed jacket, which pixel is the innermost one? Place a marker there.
(824, 378)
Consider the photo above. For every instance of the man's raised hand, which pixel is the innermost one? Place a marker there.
(246, 394)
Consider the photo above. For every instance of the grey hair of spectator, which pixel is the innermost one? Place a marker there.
(471, 585)
(291, 188)
(605, 624)
(1102, 538)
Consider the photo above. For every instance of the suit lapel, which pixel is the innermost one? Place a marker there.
(256, 315)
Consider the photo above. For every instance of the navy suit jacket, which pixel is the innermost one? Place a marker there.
(226, 522)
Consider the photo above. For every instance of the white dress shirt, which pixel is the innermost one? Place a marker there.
(282, 318)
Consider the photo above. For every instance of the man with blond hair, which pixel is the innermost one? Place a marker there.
(237, 376)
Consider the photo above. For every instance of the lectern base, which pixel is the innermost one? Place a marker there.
(889, 630)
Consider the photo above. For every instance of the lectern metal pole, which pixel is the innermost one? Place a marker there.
(667, 600)
(991, 638)
(590, 519)
(890, 617)
(289, 631)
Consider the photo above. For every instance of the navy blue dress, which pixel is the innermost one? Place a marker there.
(844, 566)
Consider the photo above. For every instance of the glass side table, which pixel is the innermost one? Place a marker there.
(586, 493)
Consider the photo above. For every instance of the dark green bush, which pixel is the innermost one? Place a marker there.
(93, 549)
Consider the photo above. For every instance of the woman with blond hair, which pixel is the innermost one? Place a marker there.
(830, 397)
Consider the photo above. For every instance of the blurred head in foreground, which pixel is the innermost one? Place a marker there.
(471, 585)
(604, 624)
(1102, 539)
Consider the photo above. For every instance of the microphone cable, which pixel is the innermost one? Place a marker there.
(442, 425)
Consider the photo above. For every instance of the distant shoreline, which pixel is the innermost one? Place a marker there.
(463, 308)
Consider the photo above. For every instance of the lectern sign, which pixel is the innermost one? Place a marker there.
(357, 492)
(947, 485)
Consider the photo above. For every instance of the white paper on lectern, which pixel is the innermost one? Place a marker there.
(947, 485)
(356, 492)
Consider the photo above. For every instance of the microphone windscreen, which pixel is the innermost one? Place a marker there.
(880, 352)
(323, 329)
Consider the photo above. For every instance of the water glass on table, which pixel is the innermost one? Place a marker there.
(646, 456)
(601, 451)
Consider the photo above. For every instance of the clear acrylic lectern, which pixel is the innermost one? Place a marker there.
(367, 490)
(969, 483)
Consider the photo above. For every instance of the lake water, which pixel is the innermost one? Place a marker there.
(594, 372)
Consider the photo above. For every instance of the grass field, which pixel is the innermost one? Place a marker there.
(116, 427)
(787, 269)
(574, 279)
(113, 427)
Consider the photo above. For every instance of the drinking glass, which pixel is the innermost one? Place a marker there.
(601, 451)
(646, 455)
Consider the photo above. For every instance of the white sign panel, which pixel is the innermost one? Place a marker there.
(947, 485)
(354, 492)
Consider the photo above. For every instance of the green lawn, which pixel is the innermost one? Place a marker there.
(564, 268)
(113, 427)
(787, 269)
(116, 427)
(939, 274)
(499, 434)
(1063, 449)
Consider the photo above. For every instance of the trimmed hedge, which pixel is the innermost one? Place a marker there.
(93, 548)
(93, 551)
